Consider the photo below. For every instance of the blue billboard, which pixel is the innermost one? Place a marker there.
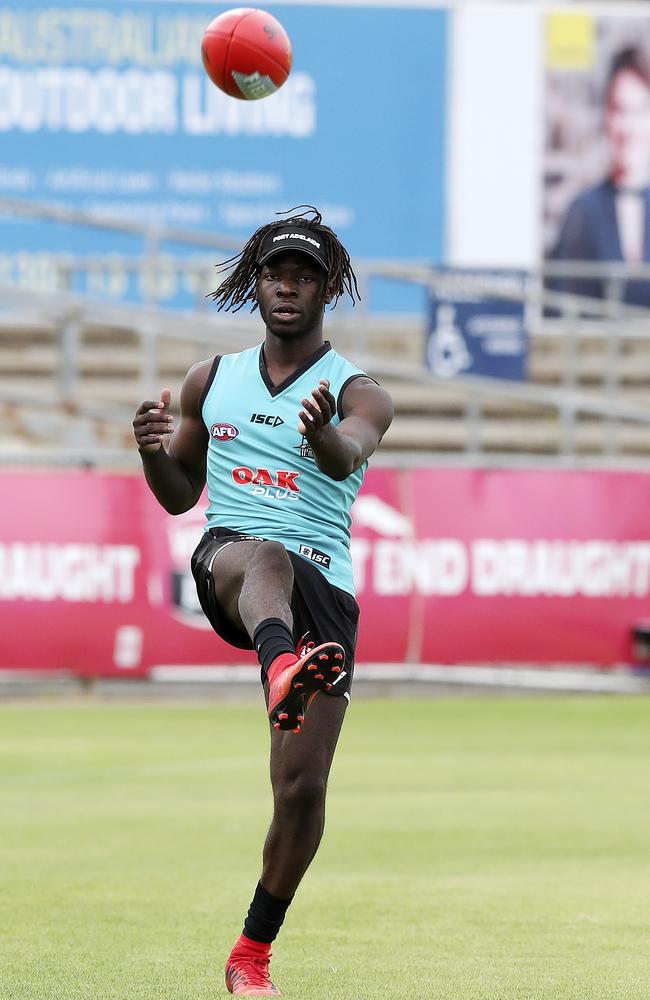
(105, 106)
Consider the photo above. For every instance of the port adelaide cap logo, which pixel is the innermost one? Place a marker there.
(294, 238)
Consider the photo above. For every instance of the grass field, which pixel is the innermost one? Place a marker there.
(476, 848)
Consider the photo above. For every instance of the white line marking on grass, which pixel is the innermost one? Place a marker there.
(525, 678)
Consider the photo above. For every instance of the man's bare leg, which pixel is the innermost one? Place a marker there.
(253, 583)
(300, 768)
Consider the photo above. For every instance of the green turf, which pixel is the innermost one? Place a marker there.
(476, 849)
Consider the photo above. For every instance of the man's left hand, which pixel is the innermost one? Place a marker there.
(317, 411)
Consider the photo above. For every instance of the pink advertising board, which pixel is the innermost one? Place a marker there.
(541, 566)
(452, 566)
(73, 572)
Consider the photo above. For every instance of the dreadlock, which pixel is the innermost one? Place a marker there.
(239, 287)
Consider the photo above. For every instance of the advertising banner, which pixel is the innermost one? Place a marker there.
(540, 567)
(106, 107)
(451, 566)
(597, 145)
(180, 634)
(73, 573)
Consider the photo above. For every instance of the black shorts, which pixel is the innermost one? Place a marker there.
(321, 612)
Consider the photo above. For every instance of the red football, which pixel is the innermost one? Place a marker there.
(247, 53)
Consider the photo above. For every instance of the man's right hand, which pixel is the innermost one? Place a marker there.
(153, 422)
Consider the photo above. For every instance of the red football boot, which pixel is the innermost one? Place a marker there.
(247, 969)
(293, 681)
(248, 976)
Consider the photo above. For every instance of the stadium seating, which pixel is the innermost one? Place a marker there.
(72, 373)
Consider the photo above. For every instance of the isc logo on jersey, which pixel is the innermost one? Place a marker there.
(280, 485)
(269, 421)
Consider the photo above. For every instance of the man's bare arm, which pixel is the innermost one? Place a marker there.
(175, 469)
(367, 414)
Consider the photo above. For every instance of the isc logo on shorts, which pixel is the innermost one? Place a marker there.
(280, 485)
(320, 558)
(223, 432)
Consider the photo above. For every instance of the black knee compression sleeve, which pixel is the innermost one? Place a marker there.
(272, 637)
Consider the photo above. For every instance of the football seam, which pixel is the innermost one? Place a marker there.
(226, 62)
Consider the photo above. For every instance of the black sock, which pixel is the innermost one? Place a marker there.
(265, 916)
(270, 638)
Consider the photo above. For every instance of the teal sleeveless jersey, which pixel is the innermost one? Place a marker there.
(261, 474)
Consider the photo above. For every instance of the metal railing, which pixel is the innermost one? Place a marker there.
(556, 318)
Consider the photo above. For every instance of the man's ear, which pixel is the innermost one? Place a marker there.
(328, 294)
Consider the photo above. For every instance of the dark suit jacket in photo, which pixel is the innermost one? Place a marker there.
(590, 232)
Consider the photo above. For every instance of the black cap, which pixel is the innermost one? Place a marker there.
(295, 238)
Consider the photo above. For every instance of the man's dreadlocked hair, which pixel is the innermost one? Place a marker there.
(239, 287)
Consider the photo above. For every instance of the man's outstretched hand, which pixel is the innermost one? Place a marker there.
(317, 411)
(153, 422)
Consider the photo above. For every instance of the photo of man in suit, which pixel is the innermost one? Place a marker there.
(610, 221)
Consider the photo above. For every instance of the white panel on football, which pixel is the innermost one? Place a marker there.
(494, 177)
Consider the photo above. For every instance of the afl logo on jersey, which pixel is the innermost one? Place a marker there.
(223, 432)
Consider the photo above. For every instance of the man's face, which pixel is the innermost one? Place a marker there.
(291, 294)
(628, 128)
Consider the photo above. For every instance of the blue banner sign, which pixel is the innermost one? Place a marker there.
(477, 324)
(105, 106)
